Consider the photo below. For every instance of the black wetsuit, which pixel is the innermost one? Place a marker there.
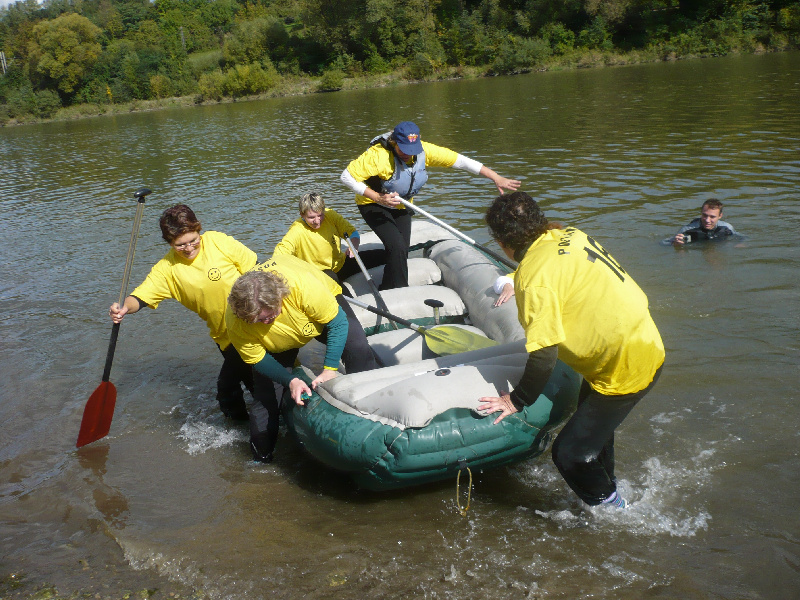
(696, 232)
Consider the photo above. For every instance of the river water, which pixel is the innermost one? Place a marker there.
(169, 505)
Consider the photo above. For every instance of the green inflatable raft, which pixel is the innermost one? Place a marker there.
(415, 420)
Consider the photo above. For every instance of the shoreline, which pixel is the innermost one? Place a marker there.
(305, 85)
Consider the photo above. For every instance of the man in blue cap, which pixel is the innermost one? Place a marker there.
(394, 167)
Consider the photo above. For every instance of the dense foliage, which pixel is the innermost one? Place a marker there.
(72, 52)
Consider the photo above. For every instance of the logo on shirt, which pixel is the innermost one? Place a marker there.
(309, 330)
(214, 274)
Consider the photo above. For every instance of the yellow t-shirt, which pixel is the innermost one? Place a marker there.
(572, 293)
(320, 247)
(310, 305)
(377, 160)
(202, 285)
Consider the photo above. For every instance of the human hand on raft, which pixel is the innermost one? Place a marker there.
(492, 404)
(505, 295)
(116, 312)
(298, 387)
(326, 375)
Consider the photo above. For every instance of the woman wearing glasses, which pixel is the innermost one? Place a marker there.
(199, 271)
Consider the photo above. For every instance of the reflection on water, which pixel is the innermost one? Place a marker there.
(169, 500)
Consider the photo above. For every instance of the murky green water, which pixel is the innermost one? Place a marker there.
(169, 501)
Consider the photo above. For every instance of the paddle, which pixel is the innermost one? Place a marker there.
(510, 264)
(371, 281)
(443, 340)
(99, 410)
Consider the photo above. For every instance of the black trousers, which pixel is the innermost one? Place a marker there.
(233, 373)
(584, 450)
(370, 258)
(393, 227)
(265, 409)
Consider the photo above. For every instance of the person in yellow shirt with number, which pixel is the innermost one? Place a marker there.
(275, 310)
(316, 237)
(395, 166)
(198, 271)
(577, 303)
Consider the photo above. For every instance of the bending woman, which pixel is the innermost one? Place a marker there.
(395, 167)
(275, 310)
(198, 271)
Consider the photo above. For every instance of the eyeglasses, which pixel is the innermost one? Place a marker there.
(187, 245)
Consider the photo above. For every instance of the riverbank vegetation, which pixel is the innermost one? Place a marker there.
(70, 58)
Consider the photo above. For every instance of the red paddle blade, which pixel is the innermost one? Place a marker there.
(98, 413)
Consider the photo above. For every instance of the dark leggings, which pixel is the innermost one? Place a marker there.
(370, 258)
(265, 410)
(232, 375)
(584, 450)
(393, 227)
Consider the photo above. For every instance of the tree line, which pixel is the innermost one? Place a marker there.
(63, 53)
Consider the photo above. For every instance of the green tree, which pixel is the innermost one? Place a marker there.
(64, 49)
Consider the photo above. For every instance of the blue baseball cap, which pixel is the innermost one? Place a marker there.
(408, 138)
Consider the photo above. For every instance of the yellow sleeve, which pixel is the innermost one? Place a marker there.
(375, 161)
(539, 313)
(288, 244)
(155, 286)
(340, 224)
(438, 156)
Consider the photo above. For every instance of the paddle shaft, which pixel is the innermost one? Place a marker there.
(502, 259)
(387, 315)
(140, 195)
(439, 341)
(371, 281)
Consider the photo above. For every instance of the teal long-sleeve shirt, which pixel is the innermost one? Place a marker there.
(337, 338)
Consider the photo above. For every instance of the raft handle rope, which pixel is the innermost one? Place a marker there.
(462, 464)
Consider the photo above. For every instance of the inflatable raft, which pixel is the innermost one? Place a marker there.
(414, 420)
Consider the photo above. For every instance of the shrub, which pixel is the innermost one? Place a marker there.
(375, 63)
(204, 62)
(561, 39)
(243, 80)
(789, 19)
(210, 85)
(161, 86)
(520, 54)
(46, 104)
(596, 35)
(420, 67)
(331, 80)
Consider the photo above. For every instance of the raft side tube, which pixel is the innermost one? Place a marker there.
(472, 276)
(421, 271)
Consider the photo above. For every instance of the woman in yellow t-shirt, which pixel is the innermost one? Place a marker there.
(395, 167)
(198, 271)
